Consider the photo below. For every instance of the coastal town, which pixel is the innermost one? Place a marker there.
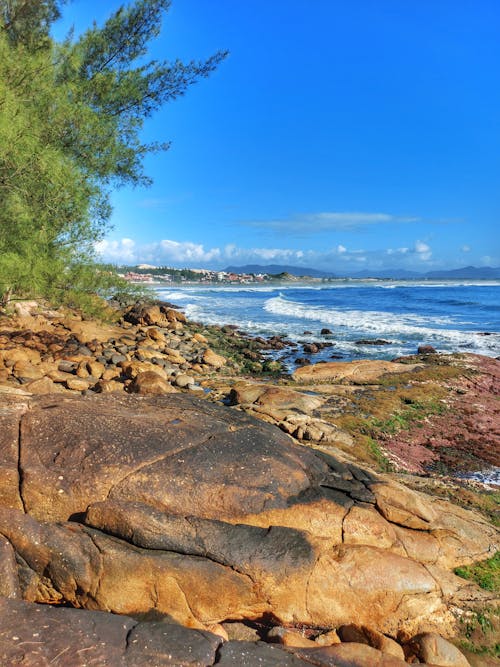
(146, 273)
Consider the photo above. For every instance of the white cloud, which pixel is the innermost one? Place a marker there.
(338, 258)
(423, 251)
(122, 251)
(465, 248)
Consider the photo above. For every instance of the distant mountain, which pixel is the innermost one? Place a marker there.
(275, 269)
(387, 274)
(467, 273)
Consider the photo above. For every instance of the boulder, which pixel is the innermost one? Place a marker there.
(150, 383)
(356, 372)
(349, 655)
(429, 647)
(210, 358)
(188, 509)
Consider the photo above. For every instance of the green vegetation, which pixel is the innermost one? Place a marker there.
(71, 114)
(485, 573)
(479, 630)
(413, 413)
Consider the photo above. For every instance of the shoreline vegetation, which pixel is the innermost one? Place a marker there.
(420, 421)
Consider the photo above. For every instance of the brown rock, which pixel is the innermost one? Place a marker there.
(156, 335)
(210, 358)
(275, 401)
(288, 637)
(77, 384)
(149, 383)
(200, 338)
(108, 386)
(9, 579)
(431, 648)
(364, 635)
(329, 638)
(21, 354)
(356, 372)
(26, 371)
(42, 386)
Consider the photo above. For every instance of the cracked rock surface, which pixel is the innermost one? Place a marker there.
(199, 515)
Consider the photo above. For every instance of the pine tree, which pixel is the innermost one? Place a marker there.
(71, 115)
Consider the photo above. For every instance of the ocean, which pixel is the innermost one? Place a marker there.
(450, 316)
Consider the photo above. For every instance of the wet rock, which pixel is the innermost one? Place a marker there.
(326, 332)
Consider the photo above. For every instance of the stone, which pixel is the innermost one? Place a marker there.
(26, 371)
(356, 372)
(183, 381)
(77, 384)
(327, 638)
(426, 349)
(349, 654)
(431, 648)
(251, 654)
(210, 358)
(42, 386)
(364, 635)
(150, 383)
(288, 637)
(172, 498)
(273, 400)
(108, 386)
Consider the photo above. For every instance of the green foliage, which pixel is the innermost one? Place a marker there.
(485, 573)
(70, 120)
(413, 413)
(480, 630)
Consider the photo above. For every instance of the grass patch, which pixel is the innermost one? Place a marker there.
(485, 573)
(479, 631)
(414, 411)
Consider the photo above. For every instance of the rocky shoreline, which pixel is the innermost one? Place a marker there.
(223, 513)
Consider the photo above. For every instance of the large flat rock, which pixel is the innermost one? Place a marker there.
(203, 514)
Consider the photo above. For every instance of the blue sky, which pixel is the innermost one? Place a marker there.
(339, 134)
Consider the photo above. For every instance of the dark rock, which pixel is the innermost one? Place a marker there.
(310, 348)
(250, 654)
(325, 332)
(163, 643)
(67, 366)
(426, 349)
